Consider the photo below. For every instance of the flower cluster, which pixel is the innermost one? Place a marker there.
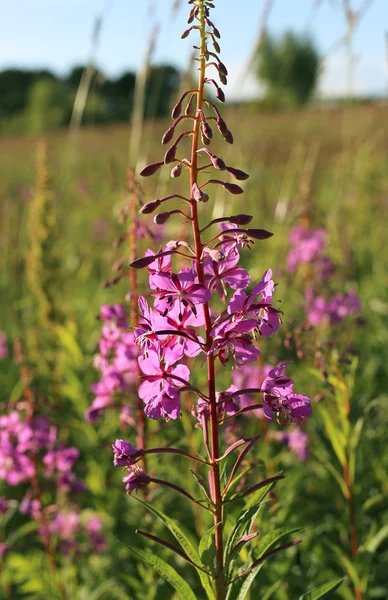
(116, 362)
(333, 310)
(32, 455)
(307, 247)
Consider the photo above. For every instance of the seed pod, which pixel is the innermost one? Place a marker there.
(151, 169)
(176, 171)
(168, 135)
(240, 219)
(149, 207)
(237, 173)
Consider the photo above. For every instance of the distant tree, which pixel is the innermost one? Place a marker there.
(49, 105)
(118, 95)
(15, 86)
(289, 68)
(163, 81)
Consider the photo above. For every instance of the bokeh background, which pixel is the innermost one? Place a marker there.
(86, 89)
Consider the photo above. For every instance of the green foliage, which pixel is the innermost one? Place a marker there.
(289, 68)
(322, 591)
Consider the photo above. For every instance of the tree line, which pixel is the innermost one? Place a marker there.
(35, 101)
(38, 100)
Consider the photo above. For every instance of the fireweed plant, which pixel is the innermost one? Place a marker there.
(185, 322)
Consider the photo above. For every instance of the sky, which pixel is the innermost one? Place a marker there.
(56, 34)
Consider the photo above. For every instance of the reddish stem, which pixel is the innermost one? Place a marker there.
(215, 453)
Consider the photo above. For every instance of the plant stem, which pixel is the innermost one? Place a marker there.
(141, 433)
(215, 454)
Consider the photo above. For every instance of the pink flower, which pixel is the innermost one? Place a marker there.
(222, 272)
(280, 399)
(160, 382)
(181, 288)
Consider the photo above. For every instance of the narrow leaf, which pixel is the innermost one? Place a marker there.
(164, 570)
(323, 590)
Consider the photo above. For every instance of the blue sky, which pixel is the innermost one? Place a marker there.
(57, 34)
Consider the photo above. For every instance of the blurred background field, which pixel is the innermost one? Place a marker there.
(324, 165)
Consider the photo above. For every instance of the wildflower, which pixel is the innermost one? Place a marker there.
(135, 480)
(125, 454)
(280, 399)
(181, 288)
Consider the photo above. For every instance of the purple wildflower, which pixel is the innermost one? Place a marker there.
(125, 454)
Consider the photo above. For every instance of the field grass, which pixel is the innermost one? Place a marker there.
(329, 166)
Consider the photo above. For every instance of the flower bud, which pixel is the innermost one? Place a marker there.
(221, 125)
(237, 173)
(231, 187)
(220, 94)
(223, 78)
(168, 135)
(161, 218)
(222, 69)
(151, 169)
(144, 261)
(176, 171)
(216, 46)
(206, 130)
(149, 207)
(177, 109)
(240, 219)
(186, 33)
(228, 137)
(169, 157)
(259, 234)
(216, 33)
(198, 194)
(189, 105)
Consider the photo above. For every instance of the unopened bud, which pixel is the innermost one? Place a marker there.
(149, 207)
(221, 125)
(217, 162)
(198, 194)
(161, 218)
(216, 33)
(176, 171)
(168, 135)
(216, 46)
(231, 187)
(169, 157)
(259, 234)
(222, 69)
(177, 109)
(223, 78)
(220, 94)
(186, 33)
(206, 130)
(151, 169)
(237, 173)
(228, 137)
(240, 219)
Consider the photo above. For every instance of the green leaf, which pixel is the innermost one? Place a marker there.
(335, 436)
(21, 532)
(323, 590)
(165, 570)
(372, 544)
(202, 484)
(207, 549)
(185, 543)
(239, 589)
(242, 527)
